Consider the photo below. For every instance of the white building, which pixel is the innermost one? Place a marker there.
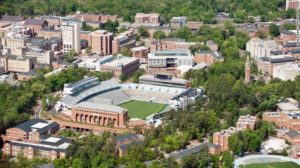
(71, 36)
(261, 48)
(287, 71)
(170, 58)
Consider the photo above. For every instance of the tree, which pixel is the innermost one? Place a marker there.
(111, 26)
(274, 30)
(143, 32)
(70, 56)
(86, 27)
(159, 35)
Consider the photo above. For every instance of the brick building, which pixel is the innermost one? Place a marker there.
(126, 39)
(287, 35)
(293, 137)
(36, 25)
(286, 116)
(246, 122)
(221, 138)
(291, 4)
(19, 64)
(99, 114)
(33, 138)
(101, 42)
(265, 65)
(170, 44)
(178, 22)
(140, 53)
(208, 57)
(121, 65)
(143, 19)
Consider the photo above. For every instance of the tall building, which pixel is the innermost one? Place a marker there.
(71, 36)
(247, 71)
(101, 42)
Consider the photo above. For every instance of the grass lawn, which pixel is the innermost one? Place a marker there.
(272, 165)
(141, 109)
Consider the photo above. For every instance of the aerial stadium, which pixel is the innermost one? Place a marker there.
(109, 103)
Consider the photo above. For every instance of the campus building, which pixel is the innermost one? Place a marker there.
(71, 36)
(170, 44)
(291, 4)
(101, 42)
(126, 39)
(121, 65)
(261, 48)
(266, 65)
(170, 58)
(222, 138)
(19, 64)
(286, 71)
(165, 80)
(246, 122)
(143, 19)
(33, 138)
(286, 116)
(178, 22)
(208, 57)
(99, 114)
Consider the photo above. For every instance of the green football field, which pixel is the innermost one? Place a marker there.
(272, 165)
(141, 109)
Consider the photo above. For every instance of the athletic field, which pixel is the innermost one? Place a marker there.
(142, 109)
(271, 165)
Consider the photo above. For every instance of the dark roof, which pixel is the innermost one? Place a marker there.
(9, 18)
(38, 22)
(277, 60)
(124, 147)
(186, 152)
(50, 165)
(128, 137)
(295, 51)
(292, 133)
(290, 44)
(212, 145)
(26, 126)
(287, 32)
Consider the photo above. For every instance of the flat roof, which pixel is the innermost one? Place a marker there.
(39, 125)
(104, 107)
(120, 61)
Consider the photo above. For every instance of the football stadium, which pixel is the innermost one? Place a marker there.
(140, 100)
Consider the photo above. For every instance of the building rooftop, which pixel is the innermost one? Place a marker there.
(292, 133)
(36, 124)
(140, 48)
(215, 54)
(9, 18)
(38, 22)
(174, 52)
(120, 61)
(278, 58)
(101, 107)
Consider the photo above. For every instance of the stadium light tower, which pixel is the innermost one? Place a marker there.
(298, 21)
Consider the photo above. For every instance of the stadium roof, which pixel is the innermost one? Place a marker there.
(71, 100)
(102, 107)
(173, 80)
